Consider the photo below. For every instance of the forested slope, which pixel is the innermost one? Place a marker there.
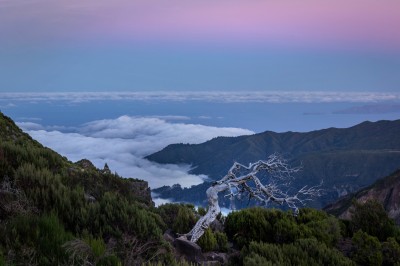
(55, 212)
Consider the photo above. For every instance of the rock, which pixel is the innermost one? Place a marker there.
(191, 251)
(89, 198)
(141, 190)
(106, 170)
(168, 236)
(86, 164)
(221, 258)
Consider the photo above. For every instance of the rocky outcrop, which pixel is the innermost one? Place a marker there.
(216, 258)
(138, 188)
(141, 190)
(185, 250)
(188, 250)
(385, 191)
(85, 164)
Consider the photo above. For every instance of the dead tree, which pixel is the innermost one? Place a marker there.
(243, 180)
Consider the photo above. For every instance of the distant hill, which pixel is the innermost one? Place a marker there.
(385, 191)
(345, 159)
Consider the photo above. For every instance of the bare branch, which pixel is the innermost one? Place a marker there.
(243, 180)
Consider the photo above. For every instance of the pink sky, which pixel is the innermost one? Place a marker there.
(316, 23)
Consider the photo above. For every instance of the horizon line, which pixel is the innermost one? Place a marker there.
(222, 96)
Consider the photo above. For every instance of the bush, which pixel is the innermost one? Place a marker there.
(90, 251)
(179, 217)
(275, 226)
(113, 215)
(2, 259)
(367, 249)
(252, 224)
(391, 252)
(36, 239)
(201, 211)
(207, 241)
(372, 218)
(222, 241)
(301, 252)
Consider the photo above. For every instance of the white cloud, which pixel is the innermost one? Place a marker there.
(159, 201)
(30, 126)
(221, 96)
(27, 126)
(123, 142)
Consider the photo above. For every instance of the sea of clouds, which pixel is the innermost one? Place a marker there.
(210, 96)
(123, 143)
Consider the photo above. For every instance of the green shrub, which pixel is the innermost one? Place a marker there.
(178, 217)
(286, 231)
(38, 239)
(222, 241)
(391, 252)
(252, 224)
(367, 249)
(2, 259)
(114, 215)
(372, 218)
(301, 252)
(201, 211)
(207, 241)
(275, 226)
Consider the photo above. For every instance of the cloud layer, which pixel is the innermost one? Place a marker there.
(123, 142)
(216, 96)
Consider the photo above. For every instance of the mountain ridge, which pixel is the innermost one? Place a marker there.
(346, 159)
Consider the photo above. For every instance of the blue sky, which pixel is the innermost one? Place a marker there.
(163, 69)
(138, 45)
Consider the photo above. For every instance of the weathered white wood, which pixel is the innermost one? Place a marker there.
(241, 180)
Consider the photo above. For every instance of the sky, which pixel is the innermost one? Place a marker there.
(225, 45)
(120, 79)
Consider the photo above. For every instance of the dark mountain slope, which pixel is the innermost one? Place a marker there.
(385, 190)
(345, 159)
